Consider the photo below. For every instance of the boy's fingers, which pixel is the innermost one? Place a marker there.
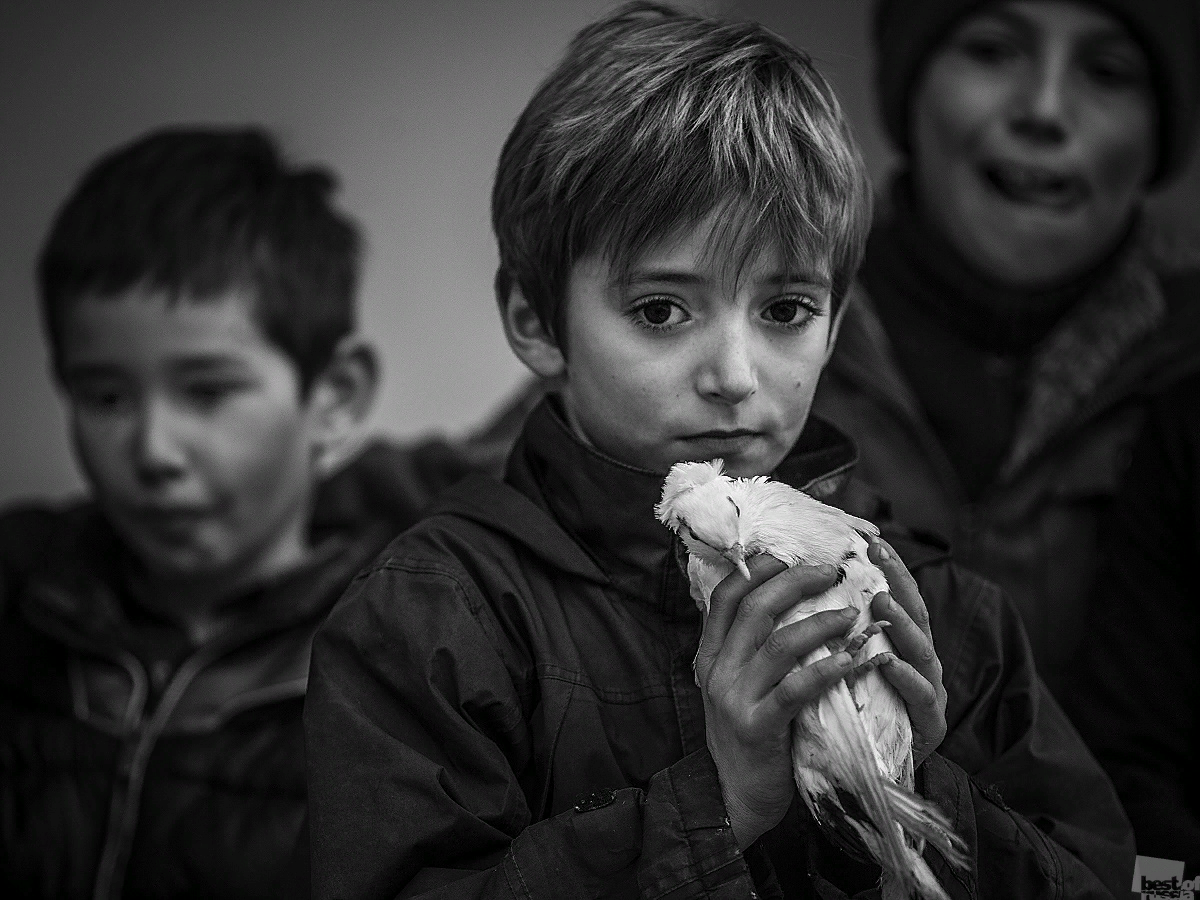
(926, 707)
(754, 620)
(784, 647)
(900, 582)
(806, 684)
(725, 601)
(914, 687)
(913, 643)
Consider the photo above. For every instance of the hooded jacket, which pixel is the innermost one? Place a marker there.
(1059, 434)
(135, 764)
(1135, 700)
(503, 705)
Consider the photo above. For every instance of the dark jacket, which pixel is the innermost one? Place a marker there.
(1058, 422)
(134, 764)
(503, 705)
(1137, 698)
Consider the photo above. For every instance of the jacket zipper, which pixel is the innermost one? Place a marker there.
(131, 776)
(138, 738)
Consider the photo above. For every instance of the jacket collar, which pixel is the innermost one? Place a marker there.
(607, 507)
(1121, 339)
(80, 587)
(910, 258)
(85, 602)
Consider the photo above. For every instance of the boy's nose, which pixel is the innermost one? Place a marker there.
(728, 374)
(1042, 107)
(157, 453)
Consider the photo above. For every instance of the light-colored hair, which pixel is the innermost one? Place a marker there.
(655, 118)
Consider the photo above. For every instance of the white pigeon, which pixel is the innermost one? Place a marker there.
(852, 749)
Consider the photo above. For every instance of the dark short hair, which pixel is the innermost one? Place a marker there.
(655, 118)
(196, 212)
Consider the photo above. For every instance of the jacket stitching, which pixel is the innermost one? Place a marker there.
(516, 870)
(579, 679)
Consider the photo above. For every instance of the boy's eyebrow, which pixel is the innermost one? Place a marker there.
(1017, 19)
(800, 277)
(668, 276)
(199, 362)
(203, 362)
(674, 276)
(92, 370)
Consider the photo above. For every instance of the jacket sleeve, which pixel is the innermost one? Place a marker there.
(419, 748)
(1134, 698)
(1010, 749)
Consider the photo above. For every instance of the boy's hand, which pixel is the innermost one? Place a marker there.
(915, 670)
(744, 669)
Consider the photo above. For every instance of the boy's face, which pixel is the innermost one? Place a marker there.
(689, 361)
(190, 427)
(1033, 138)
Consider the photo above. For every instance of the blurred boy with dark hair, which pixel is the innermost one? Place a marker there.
(519, 698)
(199, 300)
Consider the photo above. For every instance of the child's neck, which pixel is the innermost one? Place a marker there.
(205, 606)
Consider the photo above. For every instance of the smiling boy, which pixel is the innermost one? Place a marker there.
(199, 300)
(1019, 250)
(519, 697)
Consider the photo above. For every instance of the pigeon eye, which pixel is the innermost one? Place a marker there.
(736, 511)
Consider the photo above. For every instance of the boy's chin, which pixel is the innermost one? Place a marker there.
(177, 561)
(749, 468)
(179, 566)
(737, 466)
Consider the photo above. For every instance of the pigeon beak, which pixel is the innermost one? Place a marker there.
(737, 555)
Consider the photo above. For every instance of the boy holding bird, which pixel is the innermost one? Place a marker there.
(504, 704)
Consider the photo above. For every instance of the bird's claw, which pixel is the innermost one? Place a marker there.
(855, 642)
(862, 668)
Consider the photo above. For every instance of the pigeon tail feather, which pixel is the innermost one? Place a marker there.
(855, 767)
(928, 824)
(900, 823)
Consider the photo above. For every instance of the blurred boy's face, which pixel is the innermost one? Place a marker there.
(191, 430)
(688, 361)
(1033, 138)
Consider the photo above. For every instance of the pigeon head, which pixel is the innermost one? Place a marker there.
(698, 506)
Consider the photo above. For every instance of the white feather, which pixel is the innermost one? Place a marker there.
(857, 738)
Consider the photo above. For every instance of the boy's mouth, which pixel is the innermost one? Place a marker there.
(1035, 185)
(169, 520)
(720, 441)
(721, 434)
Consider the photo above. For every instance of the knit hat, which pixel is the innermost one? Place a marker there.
(906, 32)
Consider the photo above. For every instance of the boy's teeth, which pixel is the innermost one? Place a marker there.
(1032, 185)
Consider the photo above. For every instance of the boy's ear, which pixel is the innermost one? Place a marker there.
(339, 404)
(529, 338)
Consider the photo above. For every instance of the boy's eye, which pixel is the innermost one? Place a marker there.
(102, 397)
(789, 311)
(1115, 71)
(659, 313)
(208, 394)
(989, 47)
